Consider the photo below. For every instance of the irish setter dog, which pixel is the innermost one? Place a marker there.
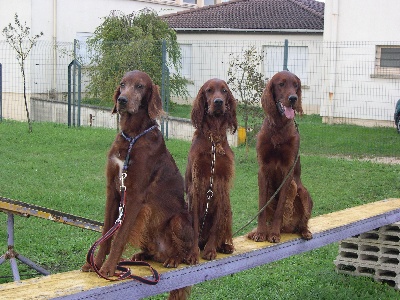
(278, 145)
(156, 217)
(208, 180)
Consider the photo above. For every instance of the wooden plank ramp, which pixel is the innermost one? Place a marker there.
(27, 210)
(326, 229)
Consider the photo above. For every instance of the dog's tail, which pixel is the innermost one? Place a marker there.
(180, 294)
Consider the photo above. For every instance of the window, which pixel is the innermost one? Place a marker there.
(186, 51)
(387, 61)
(390, 57)
(297, 61)
(186, 61)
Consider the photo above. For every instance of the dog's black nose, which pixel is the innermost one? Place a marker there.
(218, 101)
(292, 99)
(122, 100)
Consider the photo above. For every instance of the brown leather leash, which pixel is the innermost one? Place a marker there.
(122, 265)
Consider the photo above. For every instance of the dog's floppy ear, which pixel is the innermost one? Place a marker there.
(155, 109)
(267, 98)
(231, 111)
(198, 109)
(299, 105)
(117, 92)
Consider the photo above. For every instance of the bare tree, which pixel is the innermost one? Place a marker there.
(22, 42)
(248, 83)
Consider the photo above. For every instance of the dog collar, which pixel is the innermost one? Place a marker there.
(132, 141)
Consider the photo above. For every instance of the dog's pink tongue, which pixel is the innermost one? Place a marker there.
(289, 112)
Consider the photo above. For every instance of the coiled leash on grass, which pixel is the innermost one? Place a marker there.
(276, 192)
(121, 266)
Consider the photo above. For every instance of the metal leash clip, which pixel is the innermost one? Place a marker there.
(210, 194)
(120, 215)
(122, 178)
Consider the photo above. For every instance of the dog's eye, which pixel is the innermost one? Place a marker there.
(208, 90)
(122, 84)
(139, 86)
(224, 91)
(281, 84)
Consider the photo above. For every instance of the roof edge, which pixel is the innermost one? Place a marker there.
(206, 7)
(249, 30)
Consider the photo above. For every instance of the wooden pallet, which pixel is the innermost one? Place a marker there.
(326, 229)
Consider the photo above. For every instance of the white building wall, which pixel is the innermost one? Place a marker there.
(212, 53)
(60, 21)
(363, 20)
(353, 30)
(65, 18)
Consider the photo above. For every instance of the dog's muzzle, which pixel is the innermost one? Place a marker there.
(122, 100)
(292, 99)
(218, 102)
(218, 107)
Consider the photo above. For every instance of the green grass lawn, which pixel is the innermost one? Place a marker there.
(63, 168)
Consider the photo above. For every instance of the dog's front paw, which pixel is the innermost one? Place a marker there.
(98, 261)
(171, 262)
(209, 254)
(274, 237)
(107, 270)
(139, 256)
(306, 234)
(86, 268)
(226, 248)
(193, 257)
(257, 236)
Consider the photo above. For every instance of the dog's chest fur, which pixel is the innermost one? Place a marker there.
(117, 162)
(278, 136)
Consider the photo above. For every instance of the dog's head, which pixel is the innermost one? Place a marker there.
(137, 91)
(215, 100)
(282, 96)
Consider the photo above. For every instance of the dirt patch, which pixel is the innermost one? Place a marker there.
(378, 160)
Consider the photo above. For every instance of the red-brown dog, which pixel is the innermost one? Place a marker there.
(210, 168)
(156, 217)
(278, 145)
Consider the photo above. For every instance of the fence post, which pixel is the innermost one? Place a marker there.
(79, 94)
(69, 95)
(285, 55)
(1, 92)
(74, 85)
(72, 100)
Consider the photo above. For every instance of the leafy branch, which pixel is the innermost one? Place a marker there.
(131, 42)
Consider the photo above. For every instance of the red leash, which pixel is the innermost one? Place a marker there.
(126, 272)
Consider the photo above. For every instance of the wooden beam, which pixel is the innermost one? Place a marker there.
(27, 210)
(326, 229)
